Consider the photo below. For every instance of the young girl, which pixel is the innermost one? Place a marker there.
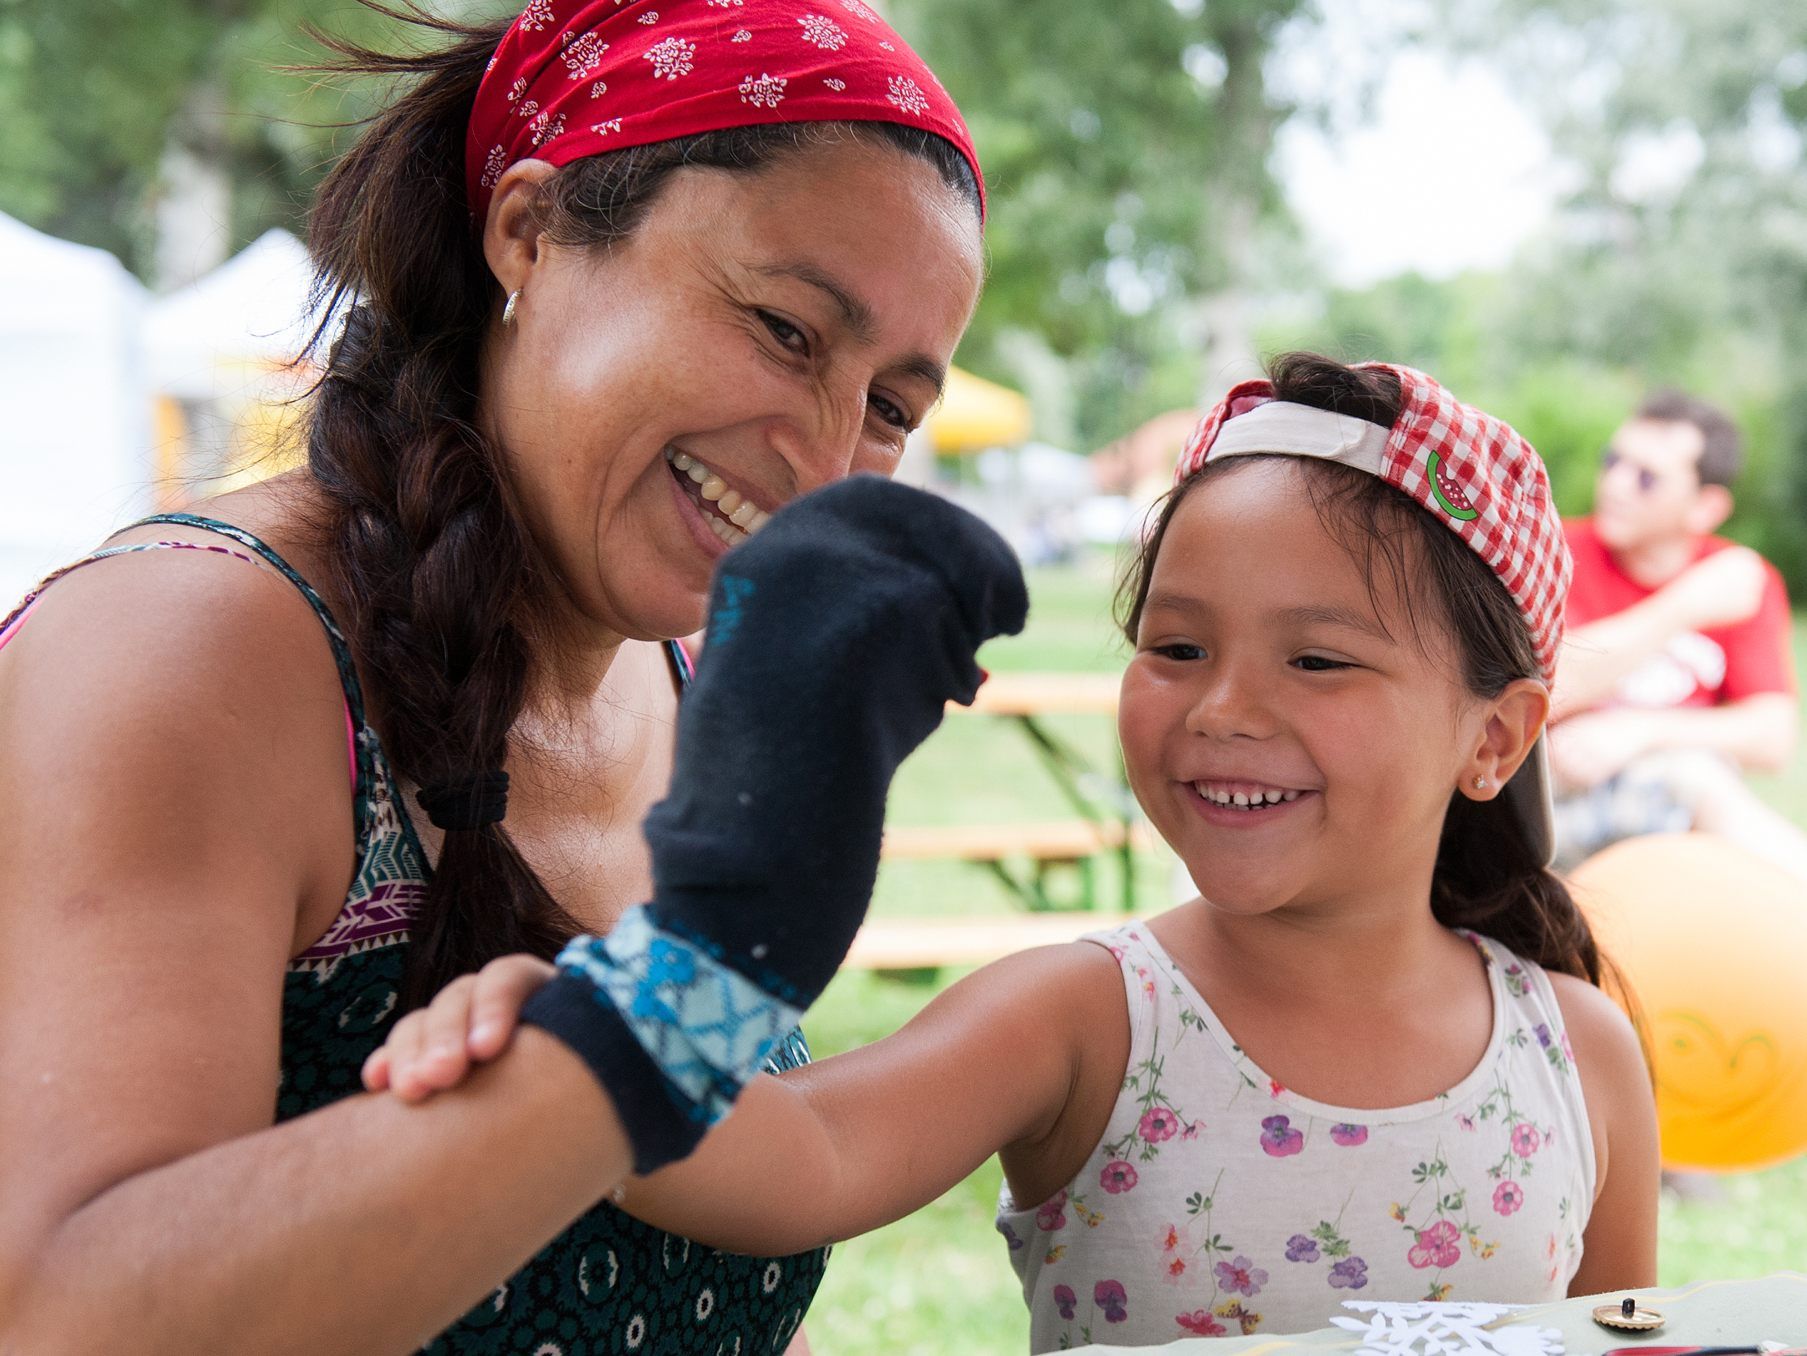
(1371, 1060)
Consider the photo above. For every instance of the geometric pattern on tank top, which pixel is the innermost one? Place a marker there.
(610, 1283)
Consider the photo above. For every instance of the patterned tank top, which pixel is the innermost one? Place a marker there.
(609, 1283)
(1222, 1203)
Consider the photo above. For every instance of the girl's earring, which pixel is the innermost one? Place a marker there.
(508, 307)
(1480, 783)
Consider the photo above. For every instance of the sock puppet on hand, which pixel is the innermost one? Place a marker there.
(836, 638)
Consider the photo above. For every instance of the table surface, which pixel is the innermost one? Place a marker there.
(1720, 1313)
(1039, 694)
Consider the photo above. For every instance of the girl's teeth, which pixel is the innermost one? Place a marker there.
(729, 502)
(713, 488)
(682, 462)
(1248, 800)
(697, 472)
(743, 515)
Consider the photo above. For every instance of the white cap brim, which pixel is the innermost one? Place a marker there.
(1527, 796)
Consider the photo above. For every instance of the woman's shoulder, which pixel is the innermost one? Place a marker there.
(181, 659)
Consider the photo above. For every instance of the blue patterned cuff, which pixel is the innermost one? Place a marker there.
(704, 1026)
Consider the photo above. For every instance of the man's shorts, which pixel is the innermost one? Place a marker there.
(1629, 805)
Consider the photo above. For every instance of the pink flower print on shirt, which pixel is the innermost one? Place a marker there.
(1525, 1139)
(1507, 1197)
(1275, 1087)
(1241, 1277)
(1117, 1177)
(1064, 1300)
(1349, 1135)
(1111, 1297)
(1438, 1246)
(1158, 1124)
(1279, 1139)
(1199, 1321)
(1052, 1215)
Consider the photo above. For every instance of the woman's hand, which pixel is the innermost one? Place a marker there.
(469, 1022)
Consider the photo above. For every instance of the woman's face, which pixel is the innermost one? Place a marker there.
(767, 332)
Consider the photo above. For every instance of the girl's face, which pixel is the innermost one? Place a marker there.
(769, 333)
(1286, 731)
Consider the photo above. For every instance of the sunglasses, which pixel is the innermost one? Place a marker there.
(1646, 477)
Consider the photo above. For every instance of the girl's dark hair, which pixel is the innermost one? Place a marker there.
(1487, 878)
(440, 580)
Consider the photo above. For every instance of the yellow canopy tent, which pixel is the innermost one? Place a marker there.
(975, 414)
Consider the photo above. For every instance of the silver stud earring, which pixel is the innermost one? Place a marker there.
(508, 307)
(1480, 783)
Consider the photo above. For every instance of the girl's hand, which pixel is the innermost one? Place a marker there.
(469, 1022)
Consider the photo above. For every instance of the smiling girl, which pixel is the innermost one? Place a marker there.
(1371, 1059)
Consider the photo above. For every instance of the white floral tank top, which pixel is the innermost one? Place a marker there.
(1221, 1203)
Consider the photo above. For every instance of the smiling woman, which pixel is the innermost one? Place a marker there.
(618, 283)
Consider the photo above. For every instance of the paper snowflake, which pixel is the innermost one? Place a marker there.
(1427, 1329)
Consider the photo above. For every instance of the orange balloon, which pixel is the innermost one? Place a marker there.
(1713, 943)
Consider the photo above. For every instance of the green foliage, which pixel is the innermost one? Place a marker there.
(1126, 149)
(93, 93)
(1681, 258)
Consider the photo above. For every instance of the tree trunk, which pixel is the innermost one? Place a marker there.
(193, 207)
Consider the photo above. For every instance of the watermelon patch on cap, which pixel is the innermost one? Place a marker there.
(1449, 494)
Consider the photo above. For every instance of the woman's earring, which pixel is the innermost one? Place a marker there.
(1480, 783)
(508, 307)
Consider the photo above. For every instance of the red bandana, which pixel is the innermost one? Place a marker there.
(573, 79)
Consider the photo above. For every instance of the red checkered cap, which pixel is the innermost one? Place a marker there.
(1473, 473)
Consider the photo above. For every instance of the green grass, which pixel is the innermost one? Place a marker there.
(938, 1283)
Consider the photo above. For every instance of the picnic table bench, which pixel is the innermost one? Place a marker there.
(1027, 858)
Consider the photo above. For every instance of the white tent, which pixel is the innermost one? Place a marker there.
(75, 435)
(250, 312)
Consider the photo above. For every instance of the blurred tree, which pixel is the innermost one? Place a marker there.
(1682, 256)
(1127, 151)
(145, 126)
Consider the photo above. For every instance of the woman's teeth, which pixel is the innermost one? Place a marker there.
(729, 516)
(1244, 800)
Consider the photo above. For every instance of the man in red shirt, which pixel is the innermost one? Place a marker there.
(1677, 675)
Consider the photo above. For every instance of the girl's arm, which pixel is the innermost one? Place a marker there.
(1619, 1244)
(172, 763)
(1027, 1052)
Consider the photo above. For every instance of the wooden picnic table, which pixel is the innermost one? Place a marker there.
(1108, 821)
(1047, 694)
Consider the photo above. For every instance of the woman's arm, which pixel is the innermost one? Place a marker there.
(1619, 1244)
(172, 762)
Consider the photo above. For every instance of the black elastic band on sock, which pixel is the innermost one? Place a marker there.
(660, 1129)
(469, 802)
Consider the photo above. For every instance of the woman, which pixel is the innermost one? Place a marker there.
(626, 280)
